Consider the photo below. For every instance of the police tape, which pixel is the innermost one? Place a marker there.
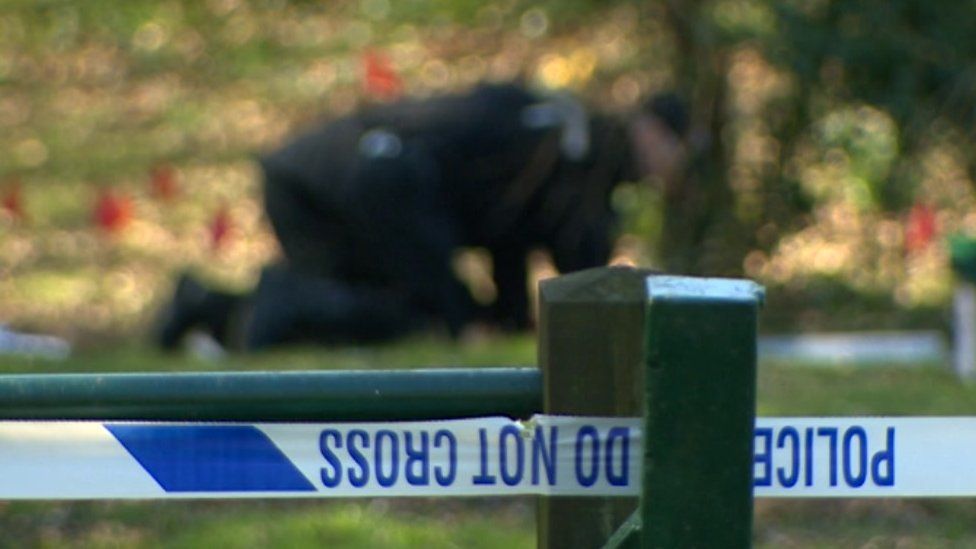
(546, 455)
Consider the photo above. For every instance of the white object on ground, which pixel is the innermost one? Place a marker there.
(33, 345)
(964, 336)
(857, 348)
(203, 346)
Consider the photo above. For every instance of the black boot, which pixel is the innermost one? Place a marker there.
(194, 306)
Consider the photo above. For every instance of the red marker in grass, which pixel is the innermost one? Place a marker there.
(380, 79)
(221, 227)
(113, 211)
(12, 201)
(921, 228)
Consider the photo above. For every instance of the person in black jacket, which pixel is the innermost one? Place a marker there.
(370, 208)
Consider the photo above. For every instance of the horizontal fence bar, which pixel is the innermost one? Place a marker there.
(336, 395)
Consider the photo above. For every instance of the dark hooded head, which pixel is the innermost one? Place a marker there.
(658, 133)
(670, 110)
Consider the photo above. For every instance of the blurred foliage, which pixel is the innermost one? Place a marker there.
(829, 121)
(95, 95)
(817, 126)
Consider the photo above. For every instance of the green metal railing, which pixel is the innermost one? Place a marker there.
(371, 395)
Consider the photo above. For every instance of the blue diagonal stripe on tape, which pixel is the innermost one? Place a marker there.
(210, 458)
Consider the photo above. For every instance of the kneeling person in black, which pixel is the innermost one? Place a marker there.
(370, 208)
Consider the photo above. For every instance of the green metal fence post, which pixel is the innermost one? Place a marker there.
(700, 412)
(591, 348)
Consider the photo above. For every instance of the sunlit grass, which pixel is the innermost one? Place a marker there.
(789, 389)
(354, 524)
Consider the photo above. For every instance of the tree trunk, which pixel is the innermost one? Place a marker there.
(701, 234)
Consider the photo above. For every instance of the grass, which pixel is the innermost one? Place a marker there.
(339, 524)
(784, 389)
(423, 351)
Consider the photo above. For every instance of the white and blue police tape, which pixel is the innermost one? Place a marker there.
(481, 456)
(547, 455)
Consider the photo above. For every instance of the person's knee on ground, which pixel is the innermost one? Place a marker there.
(289, 307)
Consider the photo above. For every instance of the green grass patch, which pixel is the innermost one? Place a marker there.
(793, 390)
(402, 524)
(417, 352)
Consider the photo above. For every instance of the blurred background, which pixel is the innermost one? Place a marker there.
(833, 157)
(832, 139)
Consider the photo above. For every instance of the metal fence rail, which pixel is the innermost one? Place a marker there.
(372, 395)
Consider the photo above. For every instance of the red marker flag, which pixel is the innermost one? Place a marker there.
(113, 211)
(220, 228)
(920, 228)
(380, 79)
(12, 201)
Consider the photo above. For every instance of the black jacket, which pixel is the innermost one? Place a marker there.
(405, 184)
